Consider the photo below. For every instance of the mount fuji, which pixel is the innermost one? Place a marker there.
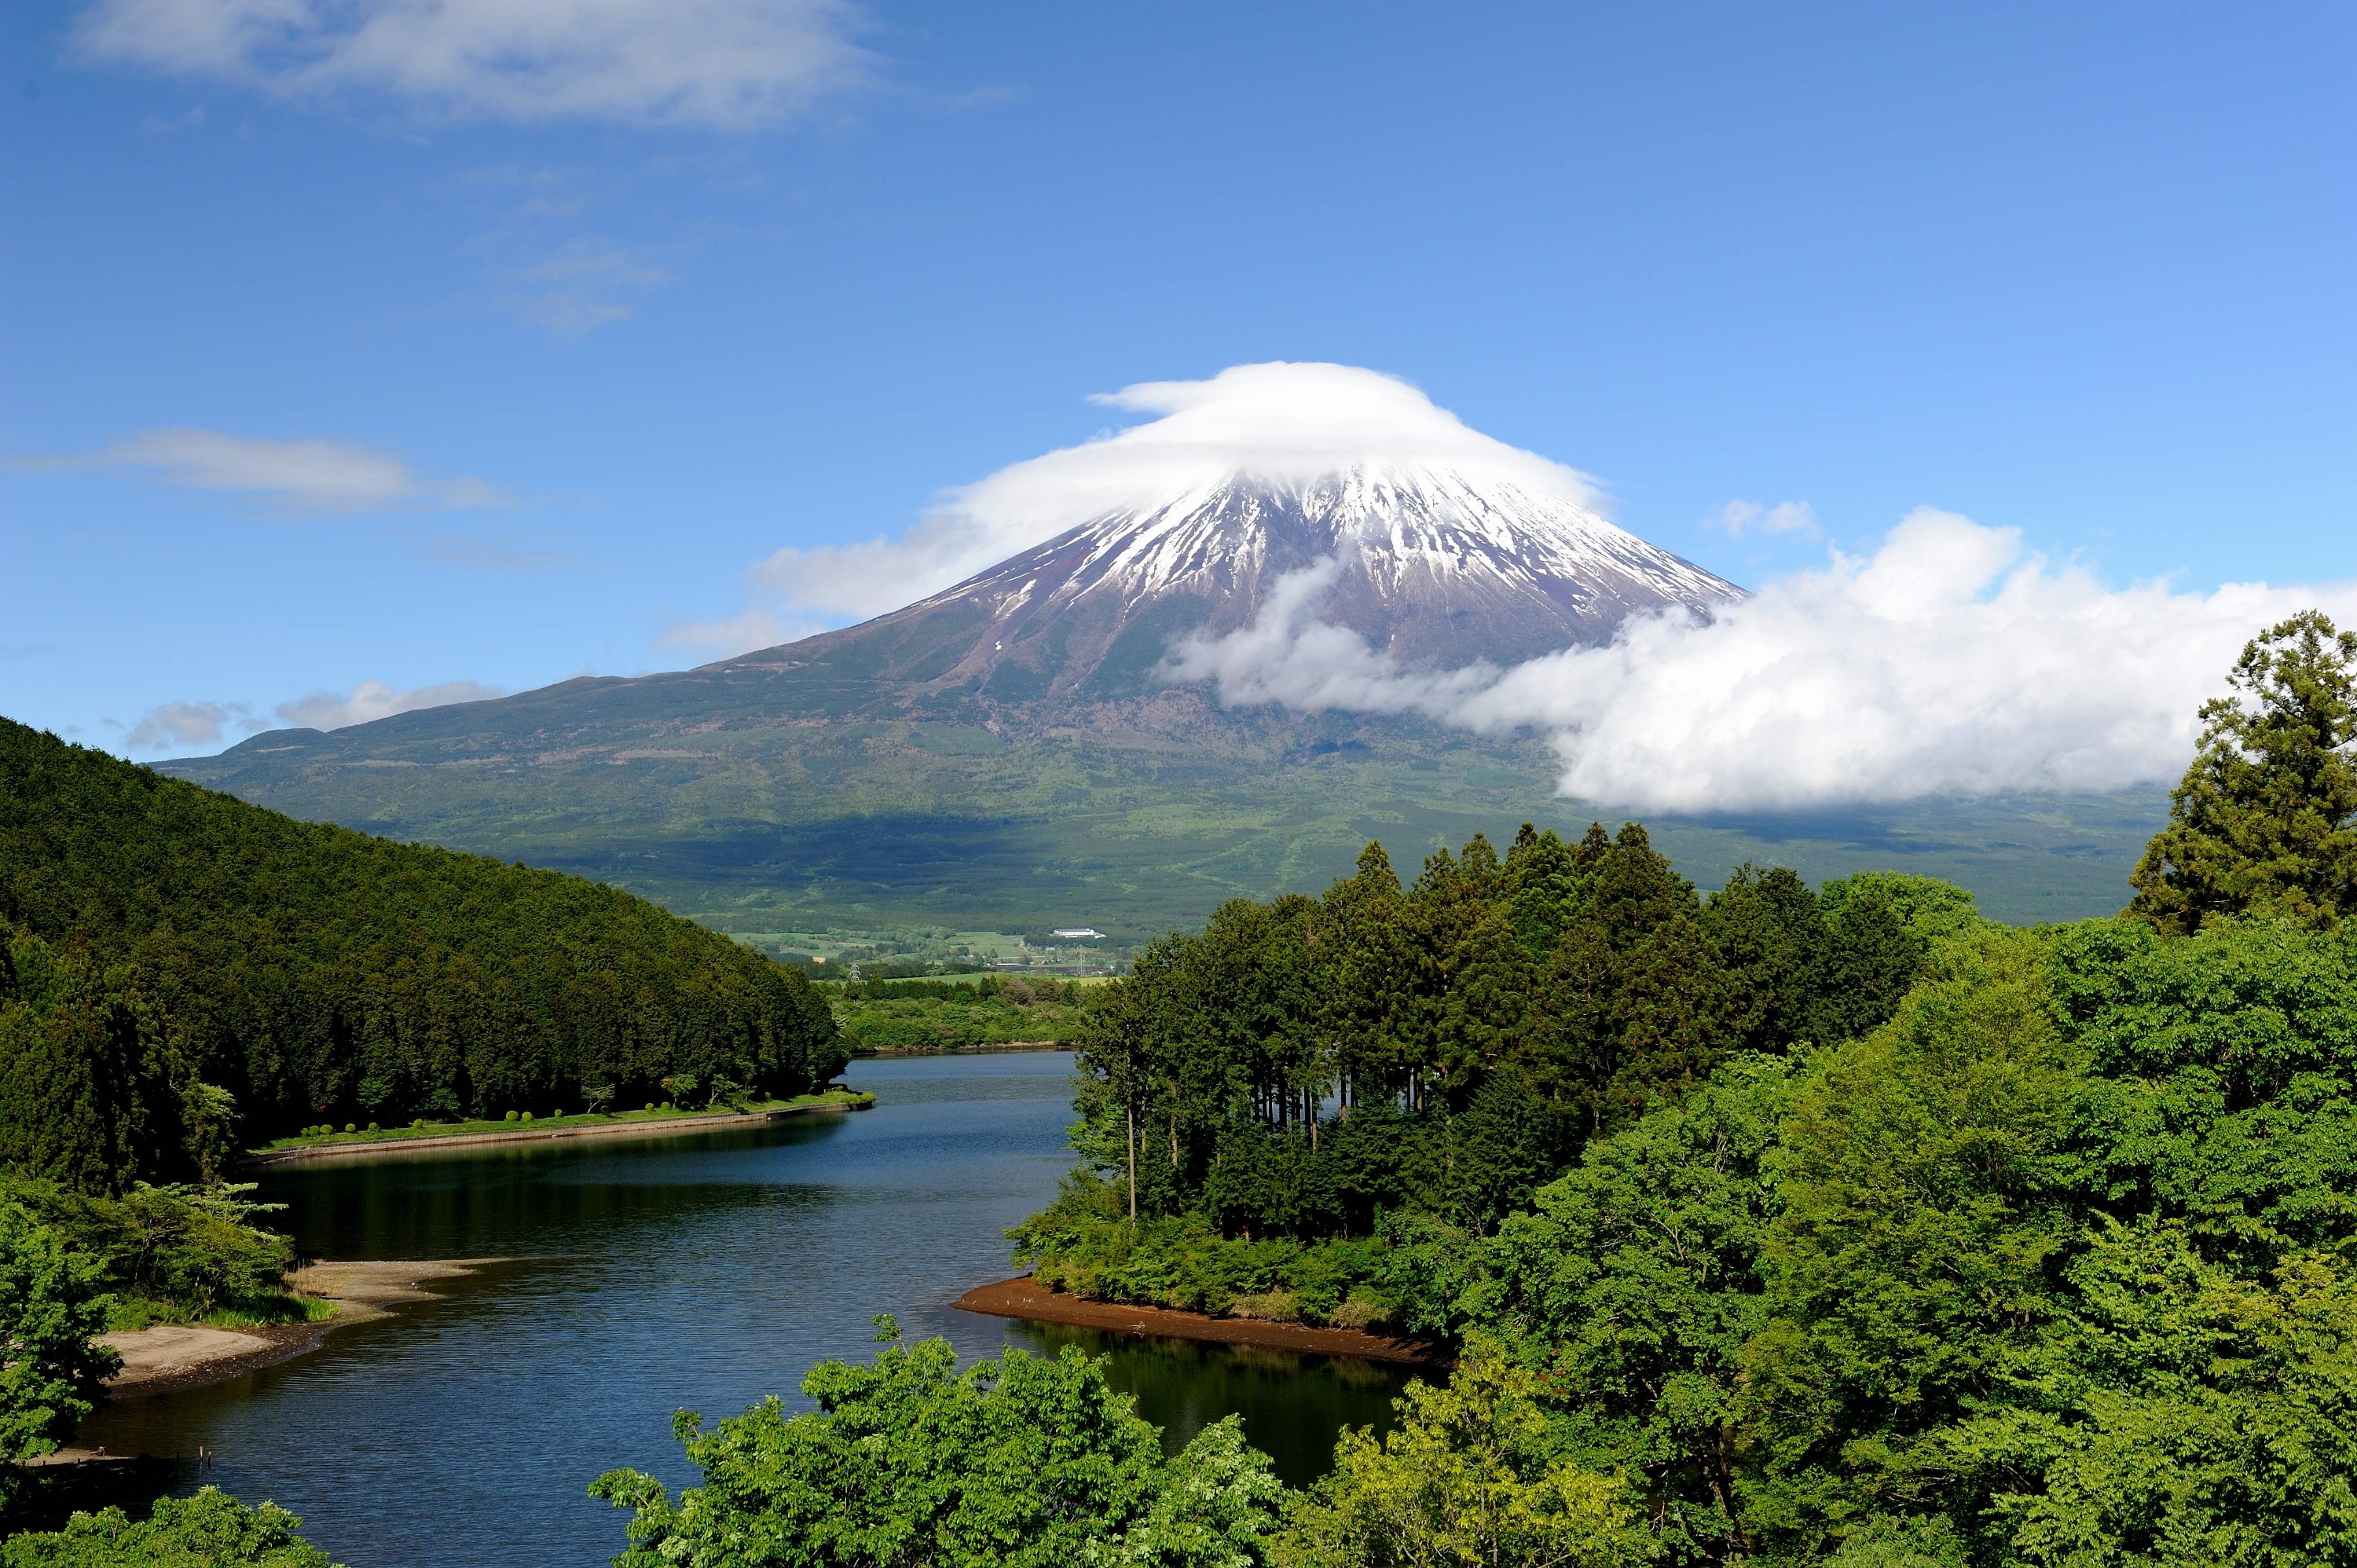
(1437, 565)
(1013, 748)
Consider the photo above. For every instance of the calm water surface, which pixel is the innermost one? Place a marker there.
(695, 1272)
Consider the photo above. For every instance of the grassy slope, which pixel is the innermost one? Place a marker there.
(553, 1123)
(761, 808)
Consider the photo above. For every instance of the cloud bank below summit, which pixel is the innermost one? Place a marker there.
(1950, 660)
(1950, 663)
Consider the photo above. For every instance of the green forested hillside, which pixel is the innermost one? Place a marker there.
(175, 946)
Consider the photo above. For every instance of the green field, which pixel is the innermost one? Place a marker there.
(957, 1013)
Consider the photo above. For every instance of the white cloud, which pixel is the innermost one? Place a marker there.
(376, 700)
(1950, 662)
(299, 478)
(725, 64)
(1288, 656)
(724, 637)
(584, 287)
(169, 725)
(1291, 423)
(1737, 519)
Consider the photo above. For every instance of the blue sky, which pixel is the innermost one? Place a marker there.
(546, 357)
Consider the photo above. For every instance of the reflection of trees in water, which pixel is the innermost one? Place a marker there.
(1292, 1403)
(517, 1197)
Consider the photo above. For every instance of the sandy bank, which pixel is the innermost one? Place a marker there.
(653, 1128)
(1023, 1298)
(185, 1355)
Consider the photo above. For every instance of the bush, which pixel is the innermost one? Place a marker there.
(169, 1253)
(1084, 1244)
(1016, 1461)
(50, 1307)
(212, 1530)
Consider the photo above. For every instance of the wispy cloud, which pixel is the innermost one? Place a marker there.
(1736, 519)
(295, 477)
(377, 700)
(477, 553)
(169, 725)
(722, 64)
(585, 284)
(724, 637)
(1950, 662)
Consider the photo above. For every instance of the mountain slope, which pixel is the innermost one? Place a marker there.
(1436, 566)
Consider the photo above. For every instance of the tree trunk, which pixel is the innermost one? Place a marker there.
(1132, 1164)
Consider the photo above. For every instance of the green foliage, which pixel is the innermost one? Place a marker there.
(171, 1253)
(90, 1092)
(937, 1015)
(2050, 1269)
(1634, 1287)
(1469, 1476)
(910, 1463)
(2181, 1414)
(308, 972)
(210, 1529)
(1084, 1244)
(2228, 1065)
(2265, 820)
(1303, 1068)
(1929, 1189)
(51, 1306)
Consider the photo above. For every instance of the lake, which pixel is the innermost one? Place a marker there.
(699, 1271)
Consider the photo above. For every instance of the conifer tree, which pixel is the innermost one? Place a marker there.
(2265, 820)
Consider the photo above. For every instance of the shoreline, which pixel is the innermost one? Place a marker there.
(874, 1053)
(656, 1127)
(172, 1356)
(1022, 1298)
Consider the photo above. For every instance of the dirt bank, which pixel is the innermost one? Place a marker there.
(872, 1053)
(173, 1356)
(1023, 1298)
(652, 1128)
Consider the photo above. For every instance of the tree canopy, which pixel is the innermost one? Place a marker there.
(1311, 1071)
(182, 956)
(1016, 1461)
(210, 1529)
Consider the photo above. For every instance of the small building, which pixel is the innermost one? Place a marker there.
(1076, 933)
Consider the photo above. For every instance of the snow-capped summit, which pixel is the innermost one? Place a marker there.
(1439, 545)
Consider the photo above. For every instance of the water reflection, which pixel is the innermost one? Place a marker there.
(1293, 1404)
(700, 1272)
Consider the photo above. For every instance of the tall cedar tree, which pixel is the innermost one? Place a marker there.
(2265, 820)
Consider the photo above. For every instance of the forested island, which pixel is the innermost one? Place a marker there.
(1783, 1224)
